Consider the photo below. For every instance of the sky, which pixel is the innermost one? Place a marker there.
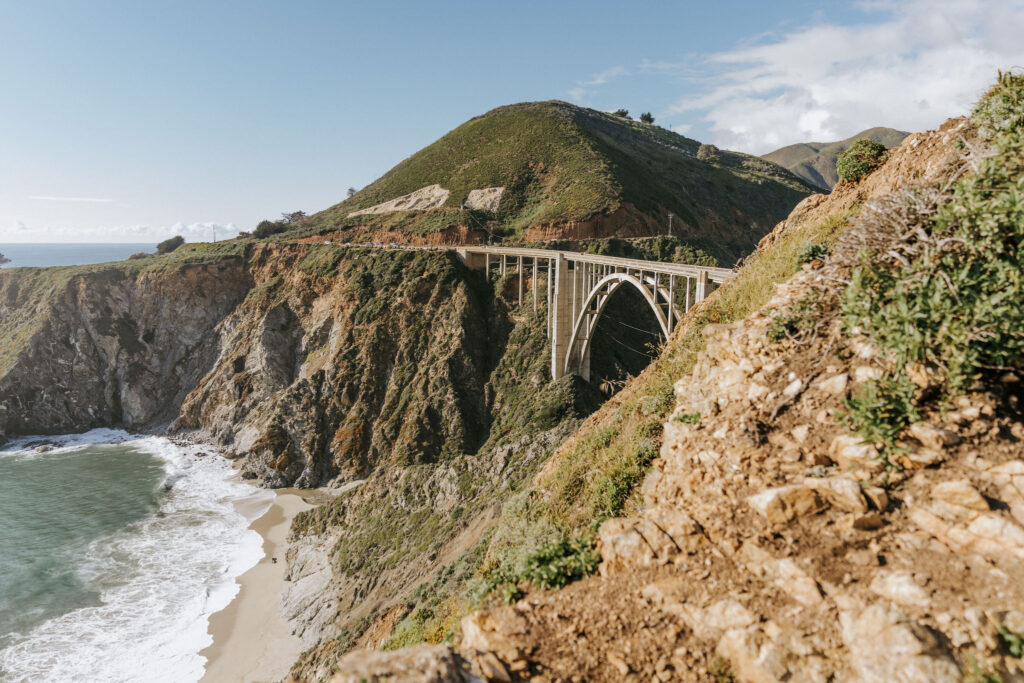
(128, 121)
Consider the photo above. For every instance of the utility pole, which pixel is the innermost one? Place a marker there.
(214, 233)
(670, 225)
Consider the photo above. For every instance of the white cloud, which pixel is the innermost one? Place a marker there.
(606, 75)
(92, 200)
(192, 232)
(918, 63)
(582, 90)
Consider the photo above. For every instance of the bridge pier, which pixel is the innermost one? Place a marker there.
(562, 315)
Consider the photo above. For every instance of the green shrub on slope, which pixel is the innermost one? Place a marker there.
(947, 295)
(863, 157)
(169, 245)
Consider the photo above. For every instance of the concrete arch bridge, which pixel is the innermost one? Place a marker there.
(579, 286)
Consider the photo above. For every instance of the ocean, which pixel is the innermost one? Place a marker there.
(114, 551)
(68, 254)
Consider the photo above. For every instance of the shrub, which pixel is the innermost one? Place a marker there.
(945, 290)
(268, 228)
(947, 294)
(554, 565)
(647, 117)
(880, 409)
(167, 246)
(813, 252)
(624, 113)
(1013, 642)
(800, 321)
(863, 157)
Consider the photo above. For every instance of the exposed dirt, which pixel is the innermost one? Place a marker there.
(423, 199)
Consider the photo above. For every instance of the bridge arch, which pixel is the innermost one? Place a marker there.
(577, 358)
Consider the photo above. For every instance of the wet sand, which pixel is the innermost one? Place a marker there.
(251, 640)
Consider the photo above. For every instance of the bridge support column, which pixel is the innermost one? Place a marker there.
(519, 276)
(702, 285)
(561, 315)
(533, 284)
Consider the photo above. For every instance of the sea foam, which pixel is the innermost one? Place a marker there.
(159, 579)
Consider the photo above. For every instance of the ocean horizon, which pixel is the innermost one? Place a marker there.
(44, 254)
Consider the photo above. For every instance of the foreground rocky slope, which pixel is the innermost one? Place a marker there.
(822, 508)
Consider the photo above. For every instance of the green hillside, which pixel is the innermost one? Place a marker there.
(560, 164)
(815, 162)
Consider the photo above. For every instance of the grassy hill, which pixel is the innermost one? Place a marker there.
(815, 162)
(575, 172)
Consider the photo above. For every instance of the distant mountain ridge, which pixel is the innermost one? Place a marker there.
(815, 162)
(552, 170)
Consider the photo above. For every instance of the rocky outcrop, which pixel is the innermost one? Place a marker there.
(486, 199)
(423, 199)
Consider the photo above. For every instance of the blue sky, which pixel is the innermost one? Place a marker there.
(133, 121)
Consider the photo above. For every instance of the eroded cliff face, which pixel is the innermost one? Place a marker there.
(339, 361)
(109, 345)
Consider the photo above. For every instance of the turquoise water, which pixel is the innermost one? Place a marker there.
(39, 255)
(51, 508)
(114, 552)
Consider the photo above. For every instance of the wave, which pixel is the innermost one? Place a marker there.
(159, 579)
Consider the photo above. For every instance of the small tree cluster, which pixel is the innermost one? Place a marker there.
(647, 117)
(863, 157)
(267, 228)
(167, 246)
(624, 113)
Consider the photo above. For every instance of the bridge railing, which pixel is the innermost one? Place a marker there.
(716, 275)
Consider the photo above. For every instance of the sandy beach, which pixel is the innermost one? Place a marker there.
(251, 641)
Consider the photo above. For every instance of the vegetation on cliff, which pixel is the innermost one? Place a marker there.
(939, 288)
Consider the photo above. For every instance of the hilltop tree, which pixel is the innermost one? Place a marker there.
(647, 117)
(624, 113)
(167, 246)
(293, 217)
(351, 191)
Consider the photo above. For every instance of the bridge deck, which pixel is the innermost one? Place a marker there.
(717, 275)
